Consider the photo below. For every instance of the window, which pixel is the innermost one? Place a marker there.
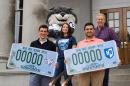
(18, 21)
(113, 20)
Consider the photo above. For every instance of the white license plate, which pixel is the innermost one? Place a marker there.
(92, 58)
(33, 60)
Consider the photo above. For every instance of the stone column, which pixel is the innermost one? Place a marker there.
(7, 17)
(34, 14)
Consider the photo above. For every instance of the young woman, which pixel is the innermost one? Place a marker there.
(65, 41)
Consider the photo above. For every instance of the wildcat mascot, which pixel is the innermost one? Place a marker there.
(58, 16)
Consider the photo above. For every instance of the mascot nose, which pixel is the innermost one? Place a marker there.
(62, 14)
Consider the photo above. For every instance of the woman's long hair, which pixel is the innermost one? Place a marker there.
(69, 31)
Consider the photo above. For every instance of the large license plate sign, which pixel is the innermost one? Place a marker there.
(33, 60)
(92, 58)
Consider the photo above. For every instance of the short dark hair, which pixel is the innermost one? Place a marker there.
(43, 26)
(88, 24)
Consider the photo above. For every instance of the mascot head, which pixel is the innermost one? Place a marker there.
(58, 16)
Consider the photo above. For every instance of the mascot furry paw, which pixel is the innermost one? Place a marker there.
(58, 16)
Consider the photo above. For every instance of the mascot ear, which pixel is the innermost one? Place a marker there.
(70, 9)
(52, 8)
(72, 30)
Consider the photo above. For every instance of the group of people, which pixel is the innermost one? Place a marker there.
(93, 35)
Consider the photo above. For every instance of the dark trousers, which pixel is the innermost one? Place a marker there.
(106, 77)
(60, 69)
(39, 80)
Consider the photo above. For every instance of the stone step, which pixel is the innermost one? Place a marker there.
(119, 83)
(120, 76)
(119, 71)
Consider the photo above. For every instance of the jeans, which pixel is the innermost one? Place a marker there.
(39, 80)
(60, 69)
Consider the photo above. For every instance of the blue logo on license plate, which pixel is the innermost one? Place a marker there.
(109, 52)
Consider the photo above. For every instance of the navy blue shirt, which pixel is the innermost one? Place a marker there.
(64, 44)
